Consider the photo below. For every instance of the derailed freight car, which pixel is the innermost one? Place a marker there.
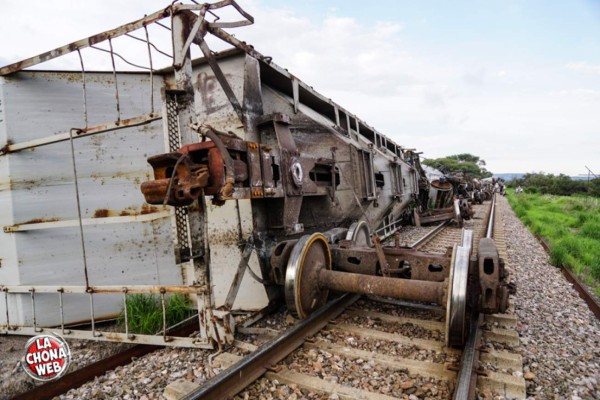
(277, 191)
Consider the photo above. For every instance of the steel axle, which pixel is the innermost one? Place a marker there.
(406, 289)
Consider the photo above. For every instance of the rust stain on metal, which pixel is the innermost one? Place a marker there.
(5, 148)
(409, 289)
(148, 209)
(226, 238)
(101, 213)
(112, 337)
(40, 221)
(178, 180)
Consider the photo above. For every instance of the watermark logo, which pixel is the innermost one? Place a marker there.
(47, 357)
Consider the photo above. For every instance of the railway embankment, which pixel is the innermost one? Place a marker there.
(560, 336)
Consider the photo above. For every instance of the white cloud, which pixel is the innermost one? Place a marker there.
(475, 77)
(583, 67)
(517, 116)
(338, 52)
(580, 93)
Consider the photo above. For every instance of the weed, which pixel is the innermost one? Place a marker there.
(144, 312)
(571, 226)
(591, 229)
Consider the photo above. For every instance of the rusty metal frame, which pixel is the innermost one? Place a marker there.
(95, 334)
(215, 28)
(214, 325)
(125, 29)
(185, 30)
(80, 133)
(389, 229)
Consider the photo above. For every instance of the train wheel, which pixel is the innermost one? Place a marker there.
(457, 215)
(302, 292)
(456, 306)
(360, 234)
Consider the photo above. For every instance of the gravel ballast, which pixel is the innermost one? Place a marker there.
(560, 341)
(560, 336)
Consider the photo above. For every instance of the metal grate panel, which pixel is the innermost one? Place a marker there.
(181, 218)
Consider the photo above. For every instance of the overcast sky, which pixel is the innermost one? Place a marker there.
(514, 82)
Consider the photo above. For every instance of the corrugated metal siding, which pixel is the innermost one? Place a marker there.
(38, 185)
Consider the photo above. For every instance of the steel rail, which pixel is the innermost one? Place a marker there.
(467, 376)
(79, 377)
(490, 226)
(233, 380)
(583, 291)
(430, 235)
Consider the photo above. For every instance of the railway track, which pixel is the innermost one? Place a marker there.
(381, 349)
(373, 348)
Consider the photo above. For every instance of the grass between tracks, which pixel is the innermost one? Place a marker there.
(144, 312)
(570, 225)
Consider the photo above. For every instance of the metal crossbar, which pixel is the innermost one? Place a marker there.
(95, 334)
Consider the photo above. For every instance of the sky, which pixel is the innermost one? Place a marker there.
(514, 82)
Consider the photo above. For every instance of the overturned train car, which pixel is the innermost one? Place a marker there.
(276, 192)
(303, 165)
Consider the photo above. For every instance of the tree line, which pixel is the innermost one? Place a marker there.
(560, 185)
(471, 166)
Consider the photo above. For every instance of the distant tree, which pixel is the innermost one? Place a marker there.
(560, 185)
(470, 165)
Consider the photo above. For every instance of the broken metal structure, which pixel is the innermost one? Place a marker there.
(264, 175)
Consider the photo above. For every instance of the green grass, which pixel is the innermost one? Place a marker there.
(570, 225)
(144, 312)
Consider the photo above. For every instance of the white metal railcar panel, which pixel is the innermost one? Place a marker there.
(37, 186)
(224, 233)
(224, 222)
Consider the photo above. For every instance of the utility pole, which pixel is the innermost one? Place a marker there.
(590, 172)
